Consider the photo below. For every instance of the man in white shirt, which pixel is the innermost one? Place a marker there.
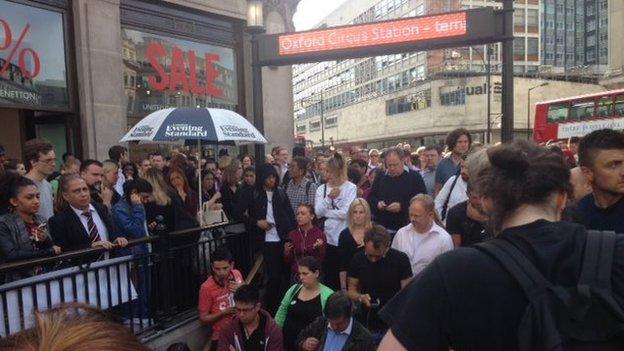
(40, 161)
(422, 240)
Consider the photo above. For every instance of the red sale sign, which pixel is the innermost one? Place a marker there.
(179, 77)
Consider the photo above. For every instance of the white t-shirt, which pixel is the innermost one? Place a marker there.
(271, 235)
(46, 199)
(422, 248)
(335, 211)
(458, 195)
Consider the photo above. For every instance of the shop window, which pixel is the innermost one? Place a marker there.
(557, 113)
(581, 110)
(24, 83)
(605, 107)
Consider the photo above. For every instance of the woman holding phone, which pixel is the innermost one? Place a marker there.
(23, 233)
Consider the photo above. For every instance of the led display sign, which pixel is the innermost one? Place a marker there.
(469, 27)
(406, 30)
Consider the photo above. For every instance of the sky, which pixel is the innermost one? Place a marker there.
(310, 12)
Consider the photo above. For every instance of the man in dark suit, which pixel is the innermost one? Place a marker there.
(82, 223)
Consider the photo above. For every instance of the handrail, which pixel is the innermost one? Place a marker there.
(13, 266)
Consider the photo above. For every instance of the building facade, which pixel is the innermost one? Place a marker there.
(575, 36)
(80, 73)
(333, 87)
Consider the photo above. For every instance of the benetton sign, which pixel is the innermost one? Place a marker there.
(407, 30)
(470, 27)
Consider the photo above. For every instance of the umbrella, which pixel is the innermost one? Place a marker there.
(212, 125)
(201, 124)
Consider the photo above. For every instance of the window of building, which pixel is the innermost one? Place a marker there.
(301, 128)
(519, 48)
(518, 18)
(582, 109)
(417, 101)
(532, 49)
(619, 105)
(315, 126)
(453, 98)
(331, 121)
(557, 113)
(604, 107)
(532, 19)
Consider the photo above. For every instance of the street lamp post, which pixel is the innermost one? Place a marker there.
(255, 26)
(529, 108)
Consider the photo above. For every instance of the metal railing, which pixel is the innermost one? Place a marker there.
(151, 292)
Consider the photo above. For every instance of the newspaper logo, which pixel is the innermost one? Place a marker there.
(233, 131)
(142, 131)
(185, 131)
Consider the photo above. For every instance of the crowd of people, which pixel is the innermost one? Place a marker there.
(355, 246)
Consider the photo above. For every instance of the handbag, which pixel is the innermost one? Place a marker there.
(213, 217)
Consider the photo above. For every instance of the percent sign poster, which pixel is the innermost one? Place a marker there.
(32, 56)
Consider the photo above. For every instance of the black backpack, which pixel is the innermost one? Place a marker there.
(557, 318)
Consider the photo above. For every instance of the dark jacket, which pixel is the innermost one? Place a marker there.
(399, 189)
(229, 199)
(234, 331)
(282, 211)
(360, 338)
(15, 244)
(68, 232)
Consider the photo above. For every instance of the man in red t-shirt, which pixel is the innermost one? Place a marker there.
(216, 306)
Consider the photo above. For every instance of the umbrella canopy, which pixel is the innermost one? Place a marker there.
(204, 124)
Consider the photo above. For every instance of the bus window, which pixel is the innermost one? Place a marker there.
(557, 113)
(619, 105)
(582, 109)
(605, 107)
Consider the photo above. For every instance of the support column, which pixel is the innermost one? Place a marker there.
(99, 75)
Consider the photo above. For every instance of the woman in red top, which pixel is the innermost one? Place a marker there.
(306, 240)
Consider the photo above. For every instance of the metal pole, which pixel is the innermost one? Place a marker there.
(488, 137)
(507, 121)
(529, 113)
(256, 74)
(322, 122)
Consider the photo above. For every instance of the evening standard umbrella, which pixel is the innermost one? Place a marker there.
(200, 124)
(211, 125)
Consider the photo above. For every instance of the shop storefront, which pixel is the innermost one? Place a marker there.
(176, 58)
(36, 77)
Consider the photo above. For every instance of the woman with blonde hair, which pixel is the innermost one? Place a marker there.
(74, 327)
(332, 203)
(165, 202)
(351, 239)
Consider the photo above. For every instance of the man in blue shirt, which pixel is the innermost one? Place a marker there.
(337, 330)
(458, 142)
(601, 156)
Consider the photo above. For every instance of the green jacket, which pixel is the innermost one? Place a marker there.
(280, 316)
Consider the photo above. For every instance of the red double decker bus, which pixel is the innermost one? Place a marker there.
(579, 115)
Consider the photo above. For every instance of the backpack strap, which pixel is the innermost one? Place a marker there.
(598, 259)
(307, 191)
(448, 197)
(516, 263)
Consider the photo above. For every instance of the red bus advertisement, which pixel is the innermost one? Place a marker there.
(579, 115)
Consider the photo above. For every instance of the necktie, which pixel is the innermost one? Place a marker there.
(93, 231)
